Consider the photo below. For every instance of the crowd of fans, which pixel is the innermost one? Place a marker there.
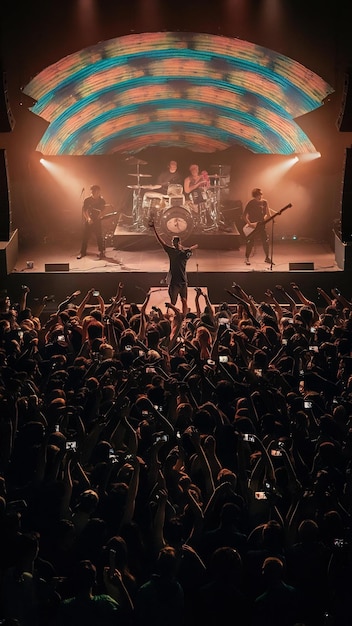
(176, 467)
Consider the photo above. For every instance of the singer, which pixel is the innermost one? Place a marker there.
(177, 276)
(92, 210)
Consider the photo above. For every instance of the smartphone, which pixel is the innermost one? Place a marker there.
(260, 495)
(258, 372)
(57, 428)
(314, 348)
(307, 404)
(339, 543)
(150, 370)
(247, 437)
(128, 348)
(178, 434)
(284, 341)
(210, 362)
(223, 358)
(158, 407)
(112, 555)
(145, 413)
(71, 445)
(61, 337)
(164, 438)
(96, 293)
(223, 321)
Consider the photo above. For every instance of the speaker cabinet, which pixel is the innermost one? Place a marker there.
(343, 254)
(7, 121)
(57, 267)
(8, 254)
(346, 199)
(5, 203)
(344, 120)
(301, 266)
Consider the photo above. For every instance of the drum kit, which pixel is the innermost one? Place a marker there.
(172, 213)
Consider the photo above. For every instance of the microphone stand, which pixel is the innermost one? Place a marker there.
(272, 243)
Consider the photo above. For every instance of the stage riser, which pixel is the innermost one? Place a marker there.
(205, 241)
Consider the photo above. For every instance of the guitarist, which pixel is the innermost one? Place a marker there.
(93, 207)
(255, 213)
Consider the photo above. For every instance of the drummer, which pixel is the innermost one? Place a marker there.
(195, 186)
(170, 176)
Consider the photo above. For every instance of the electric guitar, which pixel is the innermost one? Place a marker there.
(249, 230)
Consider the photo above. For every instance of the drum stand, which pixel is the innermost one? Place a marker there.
(137, 214)
(214, 210)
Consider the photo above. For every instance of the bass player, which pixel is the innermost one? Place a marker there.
(255, 213)
(92, 210)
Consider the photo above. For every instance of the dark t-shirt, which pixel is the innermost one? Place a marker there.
(167, 178)
(178, 260)
(93, 207)
(255, 210)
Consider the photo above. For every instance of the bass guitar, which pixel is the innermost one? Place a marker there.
(249, 230)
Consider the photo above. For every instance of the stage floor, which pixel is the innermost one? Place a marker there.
(51, 267)
(154, 259)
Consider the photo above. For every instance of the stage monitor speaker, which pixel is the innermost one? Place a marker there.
(57, 267)
(344, 120)
(301, 266)
(7, 121)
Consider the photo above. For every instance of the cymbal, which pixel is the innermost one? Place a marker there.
(150, 186)
(134, 187)
(141, 175)
(136, 161)
(218, 187)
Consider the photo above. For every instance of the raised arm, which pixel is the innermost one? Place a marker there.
(292, 303)
(162, 243)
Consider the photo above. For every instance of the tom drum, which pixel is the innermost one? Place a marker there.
(152, 205)
(175, 190)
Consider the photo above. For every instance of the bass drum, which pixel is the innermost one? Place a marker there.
(177, 220)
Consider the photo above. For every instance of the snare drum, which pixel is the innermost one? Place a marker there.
(176, 220)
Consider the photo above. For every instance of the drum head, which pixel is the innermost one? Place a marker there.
(175, 190)
(176, 220)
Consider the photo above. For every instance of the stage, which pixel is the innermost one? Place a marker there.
(50, 267)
